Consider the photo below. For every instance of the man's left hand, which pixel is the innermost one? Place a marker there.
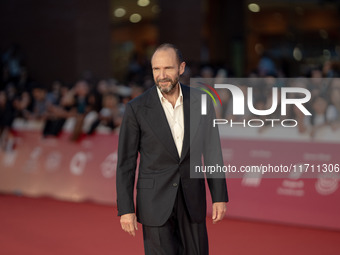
(218, 211)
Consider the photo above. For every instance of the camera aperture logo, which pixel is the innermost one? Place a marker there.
(239, 102)
(204, 97)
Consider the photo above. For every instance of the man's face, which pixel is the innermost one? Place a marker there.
(166, 69)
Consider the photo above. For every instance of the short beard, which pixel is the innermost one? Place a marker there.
(169, 89)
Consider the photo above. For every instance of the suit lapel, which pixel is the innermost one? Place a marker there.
(155, 116)
(191, 120)
(186, 114)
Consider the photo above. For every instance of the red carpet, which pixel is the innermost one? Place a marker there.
(45, 226)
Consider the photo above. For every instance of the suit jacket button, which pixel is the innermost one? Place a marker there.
(174, 184)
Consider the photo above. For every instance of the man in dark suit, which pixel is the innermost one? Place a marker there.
(165, 126)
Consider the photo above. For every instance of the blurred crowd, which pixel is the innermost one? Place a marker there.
(83, 106)
(90, 104)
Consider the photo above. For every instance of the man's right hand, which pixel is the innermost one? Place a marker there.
(129, 223)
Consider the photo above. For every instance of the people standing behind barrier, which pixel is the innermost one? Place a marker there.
(81, 94)
(110, 115)
(36, 110)
(6, 119)
(333, 110)
(60, 107)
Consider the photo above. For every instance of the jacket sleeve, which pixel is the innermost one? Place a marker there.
(128, 147)
(212, 155)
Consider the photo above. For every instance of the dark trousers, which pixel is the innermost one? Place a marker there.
(178, 236)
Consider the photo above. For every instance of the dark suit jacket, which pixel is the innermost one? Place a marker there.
(145, 130)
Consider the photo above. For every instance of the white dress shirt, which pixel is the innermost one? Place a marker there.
(175, 118)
